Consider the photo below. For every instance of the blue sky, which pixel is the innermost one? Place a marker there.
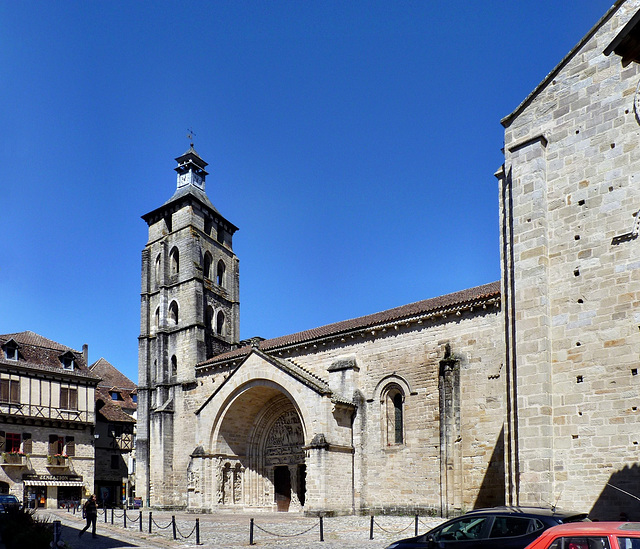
(353, 143)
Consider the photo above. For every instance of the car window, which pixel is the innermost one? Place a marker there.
(462, 529)
(505, 527)
(580, 543)
(629, 543)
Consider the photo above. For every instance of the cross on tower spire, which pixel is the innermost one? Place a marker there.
(190, 135)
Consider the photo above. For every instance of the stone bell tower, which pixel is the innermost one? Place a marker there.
(189, 312)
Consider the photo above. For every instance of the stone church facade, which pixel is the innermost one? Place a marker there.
(523, 391)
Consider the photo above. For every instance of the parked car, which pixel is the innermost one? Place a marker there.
(494, 528)
(9, 502)
(590, 535)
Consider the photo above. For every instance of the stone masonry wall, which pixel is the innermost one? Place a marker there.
(572, 163)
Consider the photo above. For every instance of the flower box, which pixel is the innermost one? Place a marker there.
(57, 461)
(13, 458)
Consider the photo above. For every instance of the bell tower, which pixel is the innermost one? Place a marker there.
(189, 312)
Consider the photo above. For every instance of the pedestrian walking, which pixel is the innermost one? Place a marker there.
(90, 510)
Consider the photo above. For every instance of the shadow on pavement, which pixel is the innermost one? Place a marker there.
(103, 541)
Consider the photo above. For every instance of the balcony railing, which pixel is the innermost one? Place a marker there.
(13, 459)
(46, 412)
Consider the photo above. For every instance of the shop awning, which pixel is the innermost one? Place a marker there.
(52, 483)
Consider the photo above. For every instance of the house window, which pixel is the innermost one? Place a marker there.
(68, 398)
(115, 395)
(10, 391)
(134, 398)
(67, 361)
(12, 442)
(11, 351)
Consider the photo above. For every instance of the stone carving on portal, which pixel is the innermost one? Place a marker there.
(229, 483)
(285, 441)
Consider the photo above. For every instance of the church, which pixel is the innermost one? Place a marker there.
(523, 391)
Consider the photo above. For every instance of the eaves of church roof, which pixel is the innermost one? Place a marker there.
(437, 306)
(506, 121)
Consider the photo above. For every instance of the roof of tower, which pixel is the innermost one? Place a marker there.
(191, 156)
(436, 306)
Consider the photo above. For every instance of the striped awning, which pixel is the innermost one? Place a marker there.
(52, 483)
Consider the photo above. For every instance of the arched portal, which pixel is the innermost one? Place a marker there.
(258, 448)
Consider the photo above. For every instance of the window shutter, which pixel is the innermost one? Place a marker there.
(27, 443)
(4, 390)
(53, 445)
(73, 399)
(64, 398)
(15, 392)
(71, 446)
(2, 443)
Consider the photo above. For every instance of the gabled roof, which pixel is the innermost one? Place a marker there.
(112, 412)
(111, 377)
(302, 375)
(39, 353)
(509, 118)
(449, 303)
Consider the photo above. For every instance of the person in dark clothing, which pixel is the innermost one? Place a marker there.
(91, 514)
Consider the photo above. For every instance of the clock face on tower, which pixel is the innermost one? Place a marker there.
(190, 178)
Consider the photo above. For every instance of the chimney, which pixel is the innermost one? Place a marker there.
(85, 354)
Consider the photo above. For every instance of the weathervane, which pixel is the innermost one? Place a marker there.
(190, 134)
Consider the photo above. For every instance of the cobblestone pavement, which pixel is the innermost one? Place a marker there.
(231, 529)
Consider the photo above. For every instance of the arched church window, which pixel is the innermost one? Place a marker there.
(157, 317)
(157, 270)
(220, 274)
(174, 365)
(220, 323)
(209, 317)
(393, 415)
(174, 258)
(206, 265)
(173, 312)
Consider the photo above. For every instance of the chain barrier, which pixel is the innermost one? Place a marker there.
(182, 535)
(116, 515)
(392, 531)
(161, 527)
(286, 535)
(139, 517)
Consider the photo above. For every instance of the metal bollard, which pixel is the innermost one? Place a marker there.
(112, 515)
(105, 515)
(197, 531)
(416, 525)
(57, 531)
(141, 521)
(150, 521)
(125, 518)
(371, 528)
(173, 523)
(251, 533)
(321, 529)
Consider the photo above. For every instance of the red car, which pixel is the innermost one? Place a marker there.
(590, 535)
